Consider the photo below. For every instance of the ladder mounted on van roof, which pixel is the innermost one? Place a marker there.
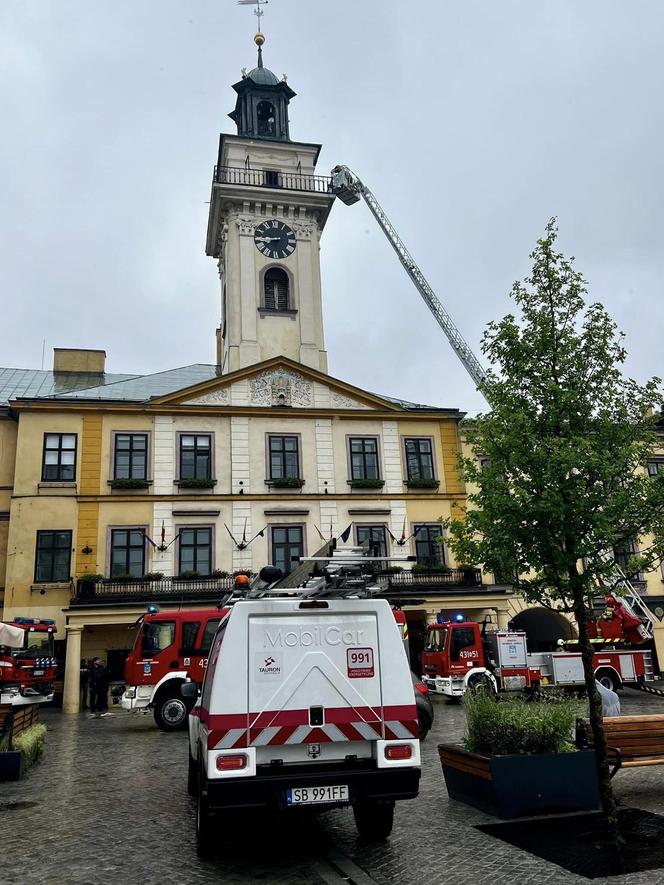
(333, 572)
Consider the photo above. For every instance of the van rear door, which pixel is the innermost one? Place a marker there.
(314, 688)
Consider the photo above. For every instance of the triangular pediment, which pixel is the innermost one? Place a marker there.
(277, 382)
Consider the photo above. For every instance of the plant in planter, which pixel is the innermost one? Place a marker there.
(153, 576)
(86, 584)
(18, 755)
(419, 568)
(129, 483)
(422, 483)
(367, 483)
(31, 744)
(123, 578)
(519, 757)
(218, 573)
(286, 482)
(188, 576)
(197, 483)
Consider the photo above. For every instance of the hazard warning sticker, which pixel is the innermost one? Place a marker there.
(360, 663)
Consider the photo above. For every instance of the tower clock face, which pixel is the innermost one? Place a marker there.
(275, 239)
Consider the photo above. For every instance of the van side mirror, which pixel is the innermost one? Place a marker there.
(189, 690)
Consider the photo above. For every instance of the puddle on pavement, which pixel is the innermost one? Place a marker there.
(17, 806)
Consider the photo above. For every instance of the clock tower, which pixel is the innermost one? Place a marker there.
(267, 211)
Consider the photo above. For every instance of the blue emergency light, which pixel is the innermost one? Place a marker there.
(153, 608)
(459, 617)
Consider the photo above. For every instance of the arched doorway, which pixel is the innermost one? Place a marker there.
(543, 628)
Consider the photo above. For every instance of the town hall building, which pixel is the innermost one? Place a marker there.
(121, 490)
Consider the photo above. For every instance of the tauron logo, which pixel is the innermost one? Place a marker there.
(268, 666)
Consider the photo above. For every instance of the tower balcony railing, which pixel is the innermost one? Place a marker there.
(272, 178)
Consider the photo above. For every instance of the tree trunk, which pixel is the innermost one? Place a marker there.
(595, 712)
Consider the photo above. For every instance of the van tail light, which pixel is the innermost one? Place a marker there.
(421, 687)
(236, 762)
(400, 751)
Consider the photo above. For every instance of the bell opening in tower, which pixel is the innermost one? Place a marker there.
(266, 118)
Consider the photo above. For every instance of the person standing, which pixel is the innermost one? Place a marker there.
(99, 689)
(85, 678)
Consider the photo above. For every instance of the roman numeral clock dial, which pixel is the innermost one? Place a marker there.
(274, 239)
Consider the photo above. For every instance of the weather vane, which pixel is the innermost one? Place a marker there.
(257, 11)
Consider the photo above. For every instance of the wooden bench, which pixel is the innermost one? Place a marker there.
(14, 720)
(634, 741)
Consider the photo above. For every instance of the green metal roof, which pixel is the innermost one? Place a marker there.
(19, 383)
(263, 77)
(84, 386)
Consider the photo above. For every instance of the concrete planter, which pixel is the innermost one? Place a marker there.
(11, 765)
(520, 785)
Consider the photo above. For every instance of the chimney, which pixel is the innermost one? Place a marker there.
(71, 359)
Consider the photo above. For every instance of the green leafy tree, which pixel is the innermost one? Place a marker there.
(563, 447)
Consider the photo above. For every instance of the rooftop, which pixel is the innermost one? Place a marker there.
(84, 386)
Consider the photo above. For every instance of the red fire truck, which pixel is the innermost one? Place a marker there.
(170, 648)
(460, 655)
(27, 661)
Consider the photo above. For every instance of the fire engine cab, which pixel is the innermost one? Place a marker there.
(170, 647)
(27, 661)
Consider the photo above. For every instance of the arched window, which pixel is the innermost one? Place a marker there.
(266, 118)
(276, 289)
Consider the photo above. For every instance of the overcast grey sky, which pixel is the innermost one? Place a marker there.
(473, 122)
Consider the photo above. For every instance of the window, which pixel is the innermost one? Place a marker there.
(622, 553)
(462, 637)
(656, 467)
(265, 117)
(364, 457)
(53, 559)
(127, 553)
(271, 178)
(428, 548)
(284, 460)
(375, 535)
(276, 289)
(195, 456)
(59, 463)
(208, 635)
(130, 457)
(419, 458)
(189, 633)
(287, 547)
(157, 635)
(196, 550)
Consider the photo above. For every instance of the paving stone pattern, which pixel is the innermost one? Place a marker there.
(108, 805)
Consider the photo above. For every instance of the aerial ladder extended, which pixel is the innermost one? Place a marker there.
(350, 189)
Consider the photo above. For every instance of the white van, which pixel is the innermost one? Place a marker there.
(306, 703)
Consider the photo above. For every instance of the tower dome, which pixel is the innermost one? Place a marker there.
(261, 110)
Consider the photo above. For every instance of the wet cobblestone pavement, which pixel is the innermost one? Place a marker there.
(108, 804)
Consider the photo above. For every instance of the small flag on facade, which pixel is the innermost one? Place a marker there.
(345, 535)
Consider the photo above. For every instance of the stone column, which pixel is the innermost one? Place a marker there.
(72, 691)
(503, 617)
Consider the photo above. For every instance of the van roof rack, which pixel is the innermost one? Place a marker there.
(332, 572)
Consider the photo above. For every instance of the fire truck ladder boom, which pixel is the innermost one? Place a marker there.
(348, 187)
(620, 581)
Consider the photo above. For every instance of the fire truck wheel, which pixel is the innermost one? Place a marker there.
(608, 679)
(374, 819)
(192, 777)
(170, 710)
(481, 682)
(205, 829)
